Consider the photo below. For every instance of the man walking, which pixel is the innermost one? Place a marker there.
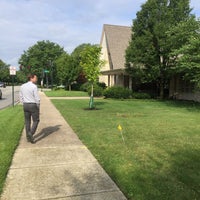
(30, 99)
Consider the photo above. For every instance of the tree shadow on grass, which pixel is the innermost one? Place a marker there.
(189, 105)
(97, 106)
(45, 132)
(92, 109)
(99, 103)
(178, 178)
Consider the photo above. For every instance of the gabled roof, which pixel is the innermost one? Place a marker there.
(117, 40)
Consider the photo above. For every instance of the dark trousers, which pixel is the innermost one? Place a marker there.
(31, 110)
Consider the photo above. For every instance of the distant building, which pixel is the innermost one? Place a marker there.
(114, 41)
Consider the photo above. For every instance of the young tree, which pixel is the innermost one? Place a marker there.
(148, 55)
(91, 63)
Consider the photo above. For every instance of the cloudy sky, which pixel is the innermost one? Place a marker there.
(68, 23)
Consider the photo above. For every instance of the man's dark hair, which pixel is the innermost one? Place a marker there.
(30, 76)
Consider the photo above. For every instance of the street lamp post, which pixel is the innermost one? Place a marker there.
(51, 66)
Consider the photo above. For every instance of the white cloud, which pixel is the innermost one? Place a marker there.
(68, 23)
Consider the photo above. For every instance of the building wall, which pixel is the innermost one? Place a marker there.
(194, 96)
(104, 79)
(114, 78)
(104, 56)
(183, 90)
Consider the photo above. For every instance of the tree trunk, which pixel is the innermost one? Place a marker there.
(91, 103)
(161, 88)
(161, 91)
(162, 79)
(70, 87)
(92, 90)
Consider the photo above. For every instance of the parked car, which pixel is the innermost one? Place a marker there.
(0, 94)
(2, 84)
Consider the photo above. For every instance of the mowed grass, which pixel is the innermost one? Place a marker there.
(160, 157)
(11, 126)
(65, 93)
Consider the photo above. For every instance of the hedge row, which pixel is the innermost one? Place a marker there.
(124, 93)
(115, 92)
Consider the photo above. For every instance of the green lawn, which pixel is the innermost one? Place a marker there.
(65, 93)
(11, 126)
(160, 158)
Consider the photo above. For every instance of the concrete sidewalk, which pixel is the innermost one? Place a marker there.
(57, 166)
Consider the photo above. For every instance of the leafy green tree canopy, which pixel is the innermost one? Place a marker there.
(77, 51)
(4, 71)
(148, 54)
(91, 63)
(67, 70)
(76, 55)
(188, 56)
(39, 57)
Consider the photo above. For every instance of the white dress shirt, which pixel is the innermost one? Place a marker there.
(29, 93)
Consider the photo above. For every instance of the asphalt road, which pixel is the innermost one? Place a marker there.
(7, 96)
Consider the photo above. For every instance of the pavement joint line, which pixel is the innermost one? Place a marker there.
(74, 98)
(96, 192)
(51, 165)
(56, 147)
(83, 194)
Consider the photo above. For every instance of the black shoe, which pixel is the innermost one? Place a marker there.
(30, 138)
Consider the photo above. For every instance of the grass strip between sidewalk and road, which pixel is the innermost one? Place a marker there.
(159, 158)
(11, 126)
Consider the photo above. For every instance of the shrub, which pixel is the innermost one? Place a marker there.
(76, 86)
(85, 87)
(117, 92)
(101, 84)
(97, 92)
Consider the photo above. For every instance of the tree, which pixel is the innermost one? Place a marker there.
(91, 63)
(148, 55)
(188, 56)
(4, 72)
(67, 70)
(38, 57)
(76, 55)
(77, 52)
(20, 77)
